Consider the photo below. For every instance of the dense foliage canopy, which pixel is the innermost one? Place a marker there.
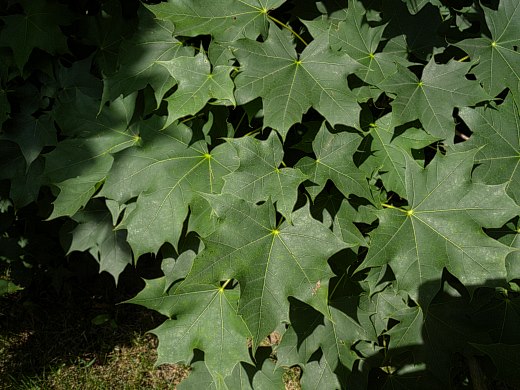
(330, 184)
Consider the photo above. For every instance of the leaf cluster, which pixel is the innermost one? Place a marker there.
(328, 184)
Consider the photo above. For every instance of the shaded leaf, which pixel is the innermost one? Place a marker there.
(138, 60)
(445, 216)
(498, 58)
(496, 134)
(38, 27)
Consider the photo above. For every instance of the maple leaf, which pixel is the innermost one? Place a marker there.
(164, 171)
(505, 357)
(334, 162)
(261, 176)
(198, 83)
(359, 40)
(336, 337)
(201, 317)
(496, 134)
(387, 151)
(289, 84)
(431, 98)
(446, 210)
(289, 260)
(498, 57)
(319, 375)
(79, 164)
(31, 134)
(225, 20)
(414, 6)
(138, 60)
(38, 27)
(95, 233)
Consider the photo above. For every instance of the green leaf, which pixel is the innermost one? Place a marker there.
(202, 317)
(138, 60)
(239, 379)
(303, 336)
(261, 174)
(319, 375)
(198, 83)
(345, 228)
(270, 377)
(498, 57)
(510, 236)
(25, 186)
(359, 40)
(289, 260)
(432, 97)
(334, 152)
(445, 216)
(81, 162)
(310, 330)
(387, 150)
(8, 287)
(496, 132)
(289, 84)
(418, 33)
(506, 359)
(31, 134)
(106, 31)
(5, 107)
(38, 27)
(199, 378)
(338, 337)
(96, 234)
(415, 6)
(164, 171)
(225, 20)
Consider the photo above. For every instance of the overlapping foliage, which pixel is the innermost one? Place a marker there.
(329, 184)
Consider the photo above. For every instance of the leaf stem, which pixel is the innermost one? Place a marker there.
(253, 132)
(286, 26)
(225, 284)
(389, 206)
(240, 122)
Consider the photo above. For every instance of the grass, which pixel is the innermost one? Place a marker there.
(79, 339)
(53, 347)
(127, 367)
